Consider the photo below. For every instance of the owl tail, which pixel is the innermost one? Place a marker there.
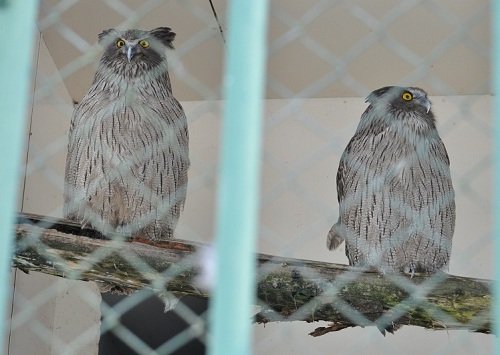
(334, 238)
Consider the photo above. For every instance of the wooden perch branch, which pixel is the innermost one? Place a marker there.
(288, 289)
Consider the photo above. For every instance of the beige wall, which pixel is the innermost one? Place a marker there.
(303, 141)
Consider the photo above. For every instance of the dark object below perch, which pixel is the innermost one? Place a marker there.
(288, 289)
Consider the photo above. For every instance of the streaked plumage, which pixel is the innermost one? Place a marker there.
(396, 199)
(126, 169)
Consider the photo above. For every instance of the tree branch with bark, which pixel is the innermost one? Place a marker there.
(287, 289)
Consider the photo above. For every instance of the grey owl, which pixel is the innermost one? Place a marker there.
(396, 199)
(127, 163)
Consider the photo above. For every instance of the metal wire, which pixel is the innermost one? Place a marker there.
(324, 57)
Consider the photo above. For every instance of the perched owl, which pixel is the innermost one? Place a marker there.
(397, 204)
(127, 163)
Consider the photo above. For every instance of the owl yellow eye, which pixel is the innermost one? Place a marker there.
(120, 43)
(144, 43)
(407, 96)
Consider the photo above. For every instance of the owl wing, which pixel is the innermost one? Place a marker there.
(85, 162)
(352, 173)
(173, 156)
(351, 166)
(336, 235)
(182, 163)
(345, 174)
(341, 175)
(441, 152)
(74, 163)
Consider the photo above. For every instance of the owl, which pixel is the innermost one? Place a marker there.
(128, 154)
(396, 198)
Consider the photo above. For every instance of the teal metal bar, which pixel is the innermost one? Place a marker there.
(238, 190)
(17, 26)
(495, 60)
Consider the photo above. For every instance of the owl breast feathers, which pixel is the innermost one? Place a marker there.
(396, 199)
(127, 163)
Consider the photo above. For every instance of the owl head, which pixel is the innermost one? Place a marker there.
(403, 99)
(135, 48)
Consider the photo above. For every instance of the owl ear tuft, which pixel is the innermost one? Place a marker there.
(104, 36)
(164, 35)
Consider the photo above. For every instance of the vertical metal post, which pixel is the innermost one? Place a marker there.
(238, 189)
(495, 60)
(17, 25)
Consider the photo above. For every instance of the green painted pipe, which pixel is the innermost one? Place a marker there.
(238, 190)
(17, 30)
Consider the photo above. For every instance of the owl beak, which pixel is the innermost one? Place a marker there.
(425, 102)
(131, 50)
(428, 105)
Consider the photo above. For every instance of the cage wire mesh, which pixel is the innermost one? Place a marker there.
(324, 58)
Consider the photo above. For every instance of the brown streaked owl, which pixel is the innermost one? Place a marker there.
(396, 199)
(127, 163)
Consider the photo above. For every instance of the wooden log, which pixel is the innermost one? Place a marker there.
(287, 290)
